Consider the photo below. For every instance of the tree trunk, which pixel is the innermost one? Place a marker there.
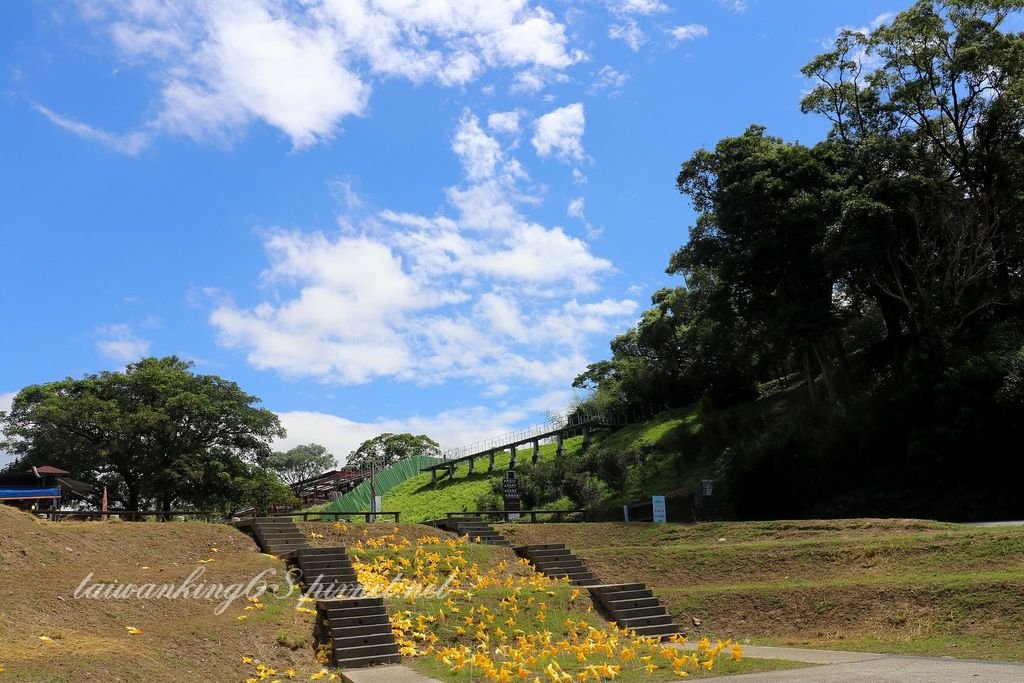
(810, 379)
(826, 371)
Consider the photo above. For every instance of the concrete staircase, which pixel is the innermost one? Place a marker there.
(328, 569)
(357, 628)
(474, 527)
(359, 632)
(633, 606)
(277, 535)
(556, 561)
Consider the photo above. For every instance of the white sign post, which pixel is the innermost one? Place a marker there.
(658, 508)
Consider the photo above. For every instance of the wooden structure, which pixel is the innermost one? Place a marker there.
(558, 430)
(327, 486)
(40, 489)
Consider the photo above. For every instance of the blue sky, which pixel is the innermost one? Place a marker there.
(376, 215)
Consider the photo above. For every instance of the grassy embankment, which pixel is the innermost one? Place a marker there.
(48, 636)
(418, 500)
(901, 586)
(500, 613)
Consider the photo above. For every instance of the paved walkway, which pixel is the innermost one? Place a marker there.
(832, 666)
(393, 673)
(839, 666)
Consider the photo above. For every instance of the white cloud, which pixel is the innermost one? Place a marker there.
(129, 143)
(424, 298)
(576, 207)
(735, 6)
(629, 32)
(452, 428)
(119, 343)
(504, 122)
(637, 6)
(5, 406)
(304, 67)
(608, 78)
(688, 32)
(560, 132)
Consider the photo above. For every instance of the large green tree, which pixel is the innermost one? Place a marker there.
(155, 433)
(385, 449)
(300, 463)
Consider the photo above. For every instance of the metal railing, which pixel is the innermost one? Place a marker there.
(132, 515)
(562, 421)
(339, 516)
(514, 515)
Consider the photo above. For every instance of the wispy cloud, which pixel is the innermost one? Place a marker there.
(119, 343)
(687, 32)
(129, 143)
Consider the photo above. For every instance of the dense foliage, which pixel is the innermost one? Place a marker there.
(385, 449)
(299, 463)
(154, 434)
(879, 269)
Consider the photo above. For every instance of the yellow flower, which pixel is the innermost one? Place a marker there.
(46, 639)
(242, 617)
(737, 652)
(132, 630)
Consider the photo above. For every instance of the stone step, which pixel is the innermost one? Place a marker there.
(340, 633)
(374, 620)
(279, 533)
(310, 564)
(586, 582)
(607, 588)
(544, 565)
(637, 622)
(633, 612)
(629, 595)
(360, 662)
(361, 651)
(352, 602)
(323, 553)
(542, 546)
(350, 612)
(275, 548)
(380, 637)
(619, 605)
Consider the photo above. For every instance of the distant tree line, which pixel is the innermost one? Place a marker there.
(879, 269)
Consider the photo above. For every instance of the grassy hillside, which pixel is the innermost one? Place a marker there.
(906, 586)
(48, 636)
(418, 500)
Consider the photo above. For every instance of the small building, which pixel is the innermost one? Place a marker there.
(327, 486)
(40, 488)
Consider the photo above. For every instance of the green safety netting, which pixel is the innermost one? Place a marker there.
(358, 499)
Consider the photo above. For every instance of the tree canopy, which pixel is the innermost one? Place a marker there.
(882, 268)
(300, 463)
(385, 449)
(155, 433)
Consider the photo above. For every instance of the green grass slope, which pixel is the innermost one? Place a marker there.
(666, 473)
(418, 499)
(903, 586)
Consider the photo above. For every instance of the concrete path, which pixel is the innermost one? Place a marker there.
(991, 524)
(393, 673)
(838, 666)
(832, 666)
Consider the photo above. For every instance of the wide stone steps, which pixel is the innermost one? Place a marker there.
(359, 630)
(554, 560)
(633, 606)
(475, 528)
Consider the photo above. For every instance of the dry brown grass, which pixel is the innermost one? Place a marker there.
(181, 640)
